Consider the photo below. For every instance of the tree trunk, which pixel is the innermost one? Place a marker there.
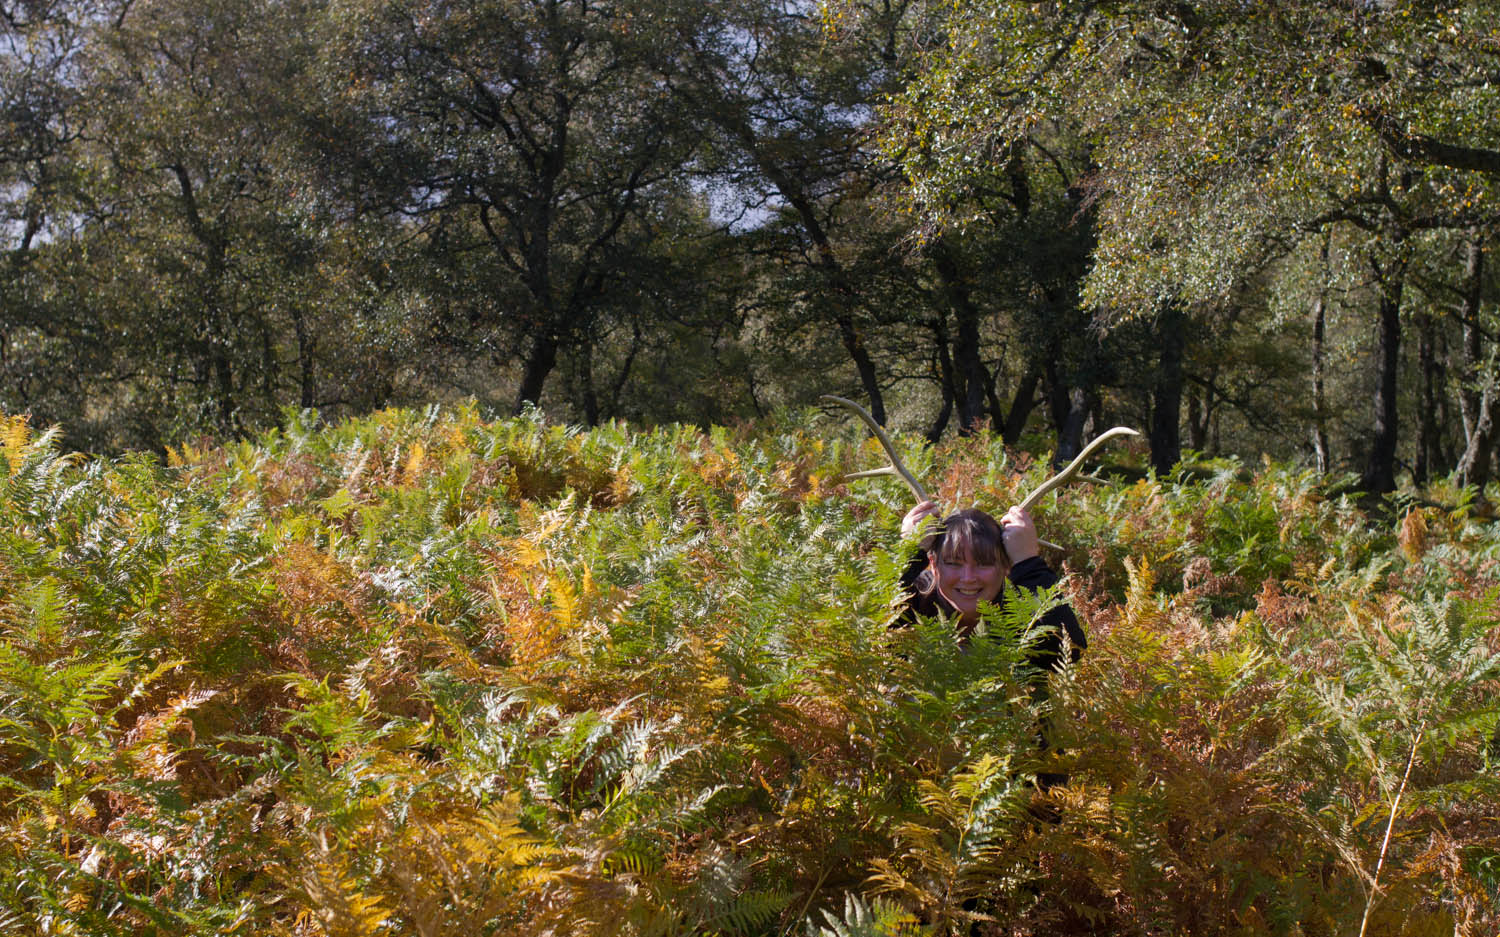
(617, 389)
(1443, 452)
(540, 360)
(306, 394)
(1380, 470)
(973, 382)
(945, 379)
(1166, 392)
(1021, 406)
(269, 369)
(842, 293)
(220, 330)
(1211, 409)
(223, 373)
(1390, 278)
(1070, 433)
(1319, 400)
(940, 422)
(1427, 430)
(1058, 400)
(1477, 391)
(1070, 407)
(586, 382)
(1197, 425)
(854, 343)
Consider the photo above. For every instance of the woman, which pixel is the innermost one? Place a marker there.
(966, 560)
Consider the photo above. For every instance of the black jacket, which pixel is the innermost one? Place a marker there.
(1033, 574)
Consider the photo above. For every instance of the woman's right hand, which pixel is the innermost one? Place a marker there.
(918, 515)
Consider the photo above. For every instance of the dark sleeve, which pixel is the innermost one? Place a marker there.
(1046, 654)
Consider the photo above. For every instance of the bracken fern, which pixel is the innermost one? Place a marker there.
(425, 672)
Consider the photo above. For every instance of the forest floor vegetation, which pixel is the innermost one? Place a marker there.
(429, 673)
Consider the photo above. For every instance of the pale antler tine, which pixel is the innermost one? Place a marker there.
(890, 449)
(874, 473)
(897, 467)
(1072, 468)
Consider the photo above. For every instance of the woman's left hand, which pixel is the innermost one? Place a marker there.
(1018, 535)
(919, 515)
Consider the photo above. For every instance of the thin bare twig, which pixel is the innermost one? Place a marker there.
(1389, 826)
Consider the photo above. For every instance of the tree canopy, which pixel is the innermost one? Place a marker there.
(1237, 227)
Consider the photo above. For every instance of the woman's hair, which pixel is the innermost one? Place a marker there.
(970, 532)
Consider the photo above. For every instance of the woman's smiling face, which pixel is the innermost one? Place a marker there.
(965, 582)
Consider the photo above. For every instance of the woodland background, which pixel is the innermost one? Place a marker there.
(315, 644)
(1243, 228)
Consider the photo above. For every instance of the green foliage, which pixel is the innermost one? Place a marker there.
(861, 918)
(1220, 134)
(425, 673)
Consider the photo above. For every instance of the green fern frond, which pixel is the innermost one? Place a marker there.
(874, 917)
(750, 913)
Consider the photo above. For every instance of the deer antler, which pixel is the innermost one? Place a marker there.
(897, 467)
(1072, 468)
